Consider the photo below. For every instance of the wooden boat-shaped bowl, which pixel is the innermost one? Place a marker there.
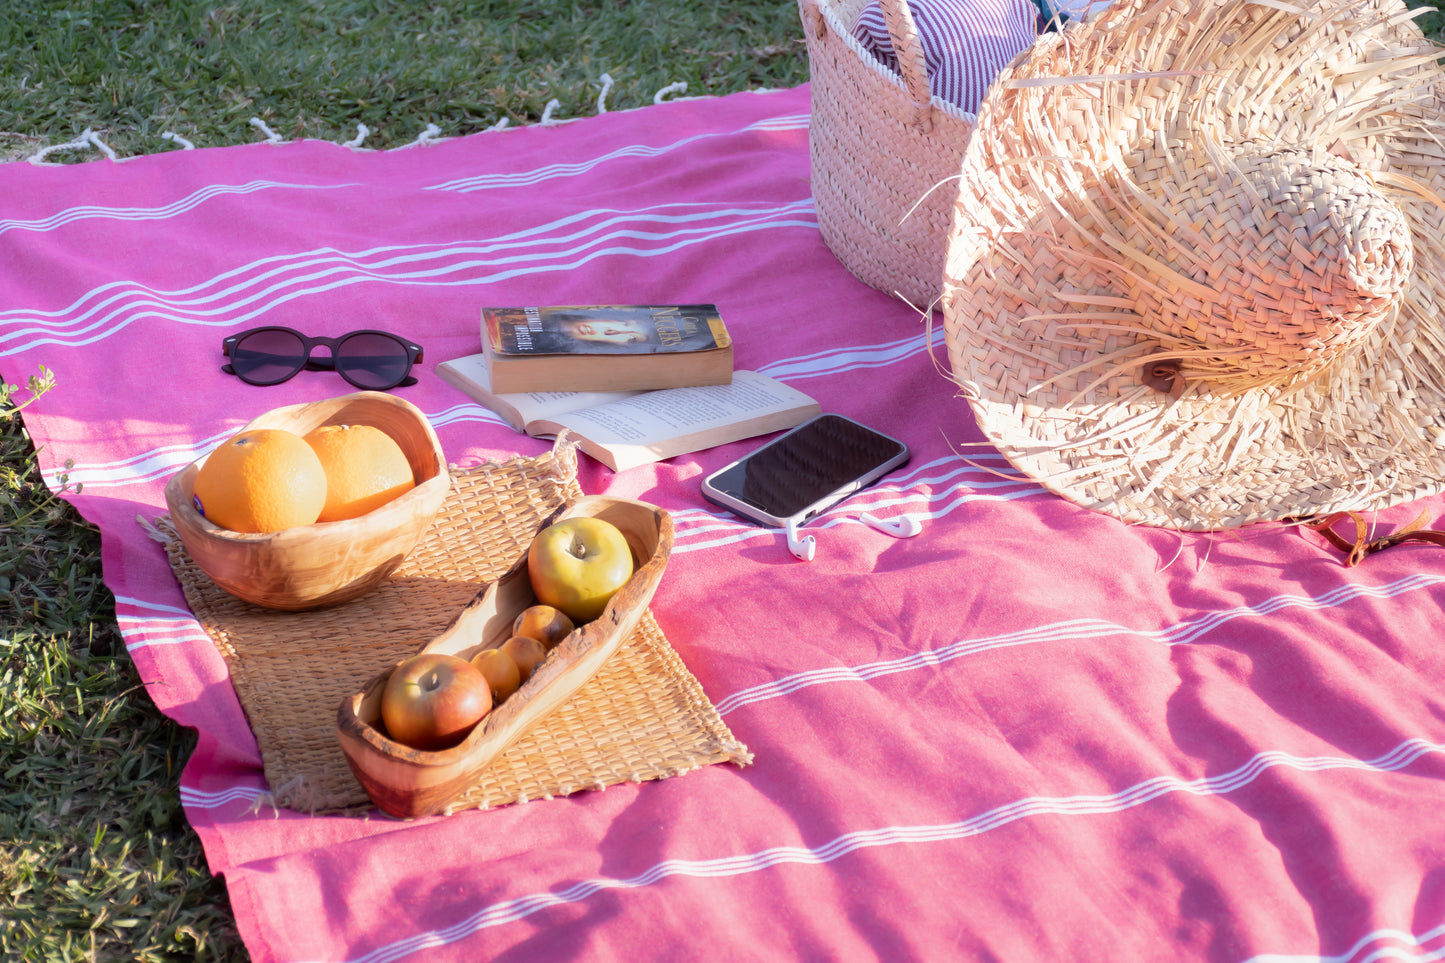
(312, 566)
(407, 782)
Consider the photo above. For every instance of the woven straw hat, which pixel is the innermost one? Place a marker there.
(1196, 270)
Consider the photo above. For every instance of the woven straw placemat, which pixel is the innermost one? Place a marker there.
(643, 716)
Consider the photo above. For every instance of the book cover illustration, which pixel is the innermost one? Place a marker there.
(605, 329)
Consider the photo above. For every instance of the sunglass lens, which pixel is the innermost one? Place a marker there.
(268, 356)
(374, 361)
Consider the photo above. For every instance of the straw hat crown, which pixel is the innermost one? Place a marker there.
(1195, 267)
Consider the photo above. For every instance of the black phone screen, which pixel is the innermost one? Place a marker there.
(809, 463)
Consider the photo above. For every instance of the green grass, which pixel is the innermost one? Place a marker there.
(317, 68)
(96, 860)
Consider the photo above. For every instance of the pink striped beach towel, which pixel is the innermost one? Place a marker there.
(965, 42)
(1029, 733)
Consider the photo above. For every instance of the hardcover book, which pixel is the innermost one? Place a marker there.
(607, 347)
(623, 429)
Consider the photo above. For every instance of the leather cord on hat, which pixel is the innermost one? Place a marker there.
(1363, 545)
(1164, 375)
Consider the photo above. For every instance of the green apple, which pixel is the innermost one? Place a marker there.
(577, 564)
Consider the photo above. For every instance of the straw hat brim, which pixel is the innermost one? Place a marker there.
(1070, 205)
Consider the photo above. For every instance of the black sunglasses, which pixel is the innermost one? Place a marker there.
(373, 360)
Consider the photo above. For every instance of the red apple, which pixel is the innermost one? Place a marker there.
(543, 623)
(433, 700)
(577, 564)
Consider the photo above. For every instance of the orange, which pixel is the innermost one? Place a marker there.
(365, 468)
(262, 480)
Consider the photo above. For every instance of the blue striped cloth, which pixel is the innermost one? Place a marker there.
(965, 42)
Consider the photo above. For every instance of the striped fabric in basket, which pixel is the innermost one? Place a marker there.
(965, 42)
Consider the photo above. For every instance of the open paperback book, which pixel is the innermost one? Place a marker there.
(623, 429)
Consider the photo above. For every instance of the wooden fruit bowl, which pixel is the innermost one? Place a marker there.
(408, 782)
(311, 566)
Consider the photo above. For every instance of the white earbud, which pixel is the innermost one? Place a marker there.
(904, 526)
(801, 547)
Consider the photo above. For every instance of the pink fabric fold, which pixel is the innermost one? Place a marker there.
(1029, 733)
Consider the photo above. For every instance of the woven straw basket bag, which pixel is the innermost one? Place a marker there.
(879, 145)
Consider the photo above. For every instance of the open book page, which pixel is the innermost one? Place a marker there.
(469, 374)
(655, 425)
(544, 405)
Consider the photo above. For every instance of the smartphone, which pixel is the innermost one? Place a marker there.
(797, 475)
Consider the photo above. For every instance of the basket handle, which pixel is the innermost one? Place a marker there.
(908, 49)
(812, 17)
